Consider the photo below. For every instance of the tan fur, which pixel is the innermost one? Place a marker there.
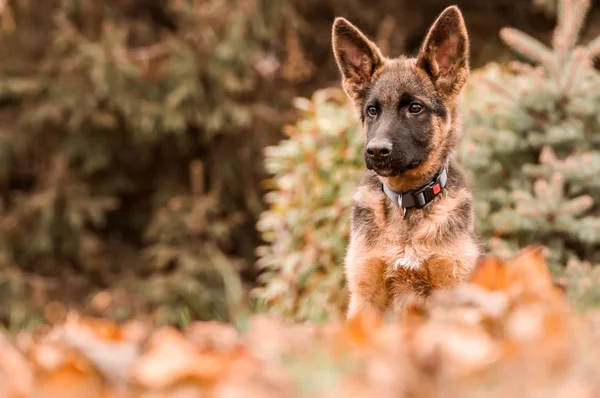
(372, 282)
(440, 238)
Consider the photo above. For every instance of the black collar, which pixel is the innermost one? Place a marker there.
(419, 197)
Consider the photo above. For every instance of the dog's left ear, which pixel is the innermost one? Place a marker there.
(445, 53)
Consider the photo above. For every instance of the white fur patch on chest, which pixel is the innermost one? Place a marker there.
(407, 263)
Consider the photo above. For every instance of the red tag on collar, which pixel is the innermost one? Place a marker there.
(436, 189)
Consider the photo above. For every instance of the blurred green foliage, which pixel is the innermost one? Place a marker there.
(581, 280)
(315, 171)
(533, 149)
(127, 165)
(131, 151)
(533, 146)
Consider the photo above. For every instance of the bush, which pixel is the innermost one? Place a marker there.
(315, 172)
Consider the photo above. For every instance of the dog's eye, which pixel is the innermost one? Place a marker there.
(415, 108)
(372, 111)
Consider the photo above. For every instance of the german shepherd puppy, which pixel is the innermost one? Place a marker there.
(412, 219)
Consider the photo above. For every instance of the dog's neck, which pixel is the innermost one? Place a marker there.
(410, 181)
(420, 197)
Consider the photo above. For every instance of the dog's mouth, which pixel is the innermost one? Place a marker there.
(387, 170)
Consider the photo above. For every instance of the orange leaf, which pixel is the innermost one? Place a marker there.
(359, 328)
(69, 382)
(529, 271)
(490, 274)
(16, 375)
(103, 329)
(172, 358)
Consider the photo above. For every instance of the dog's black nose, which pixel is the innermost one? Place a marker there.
(379, 149)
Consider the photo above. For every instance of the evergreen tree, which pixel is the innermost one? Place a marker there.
(533, 143)
(123, 169)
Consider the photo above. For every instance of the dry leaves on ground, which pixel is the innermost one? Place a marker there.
(510, 332)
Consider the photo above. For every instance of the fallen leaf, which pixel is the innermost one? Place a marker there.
(172, 358)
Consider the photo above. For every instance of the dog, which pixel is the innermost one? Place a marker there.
(412, 221)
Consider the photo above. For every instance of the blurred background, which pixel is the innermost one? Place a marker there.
(173, 160)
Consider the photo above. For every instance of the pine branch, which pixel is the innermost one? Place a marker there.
(593, 48)
(561, 13)
(578, 58)
(501, 90)
(588, 230)
(577, 14)
(543, 191)
(571, 17)
(557, 187)
(529, 47)
(580, 168)
(576, 207)
(584, 91)
(548, 156)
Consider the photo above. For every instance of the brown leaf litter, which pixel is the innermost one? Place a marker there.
(510, 332)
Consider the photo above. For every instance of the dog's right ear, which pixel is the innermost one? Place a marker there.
(357, 57)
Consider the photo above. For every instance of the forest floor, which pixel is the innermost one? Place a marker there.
(509, 332)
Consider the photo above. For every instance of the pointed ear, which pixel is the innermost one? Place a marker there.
(357, 57)
(445, 52)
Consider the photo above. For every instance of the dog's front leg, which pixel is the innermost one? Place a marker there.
(366, 281)
(455, 264)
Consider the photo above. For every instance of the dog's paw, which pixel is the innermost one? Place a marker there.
(407, 263)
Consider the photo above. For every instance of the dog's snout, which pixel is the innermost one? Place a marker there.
(379, 149)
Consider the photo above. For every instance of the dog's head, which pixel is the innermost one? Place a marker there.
(407, 105)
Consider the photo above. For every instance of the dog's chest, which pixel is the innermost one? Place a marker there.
(414, 267)
(400, 246)
(420, 257)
